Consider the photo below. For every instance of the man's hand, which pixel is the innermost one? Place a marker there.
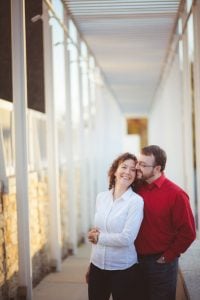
(161, 260)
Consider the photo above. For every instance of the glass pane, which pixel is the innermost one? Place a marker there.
(7, 131)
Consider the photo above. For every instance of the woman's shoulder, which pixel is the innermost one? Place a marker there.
(103, 194)
(137, 197)
(102, 198)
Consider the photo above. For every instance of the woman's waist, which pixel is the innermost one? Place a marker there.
(117, 255)
(116, 267)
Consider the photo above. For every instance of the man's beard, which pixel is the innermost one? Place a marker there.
(140, 181)
(143, 178)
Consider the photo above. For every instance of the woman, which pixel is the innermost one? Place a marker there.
(119, 213)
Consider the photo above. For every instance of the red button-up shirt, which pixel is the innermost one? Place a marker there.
(168, 226)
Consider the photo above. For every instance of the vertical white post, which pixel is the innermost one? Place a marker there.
(86, 141)
(83, 177)
(53, 172)
(101, 124)
(20, 115)
(197, 97)
(187, 122)
(91, 149)
(73, 241)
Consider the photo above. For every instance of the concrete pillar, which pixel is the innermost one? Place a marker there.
(52, 152)
(187, 121)
(91, 145)
(196, 19)
(72, 216)
(19, 76)
(82, 154)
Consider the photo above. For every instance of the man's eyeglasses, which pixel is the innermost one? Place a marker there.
(143, 165)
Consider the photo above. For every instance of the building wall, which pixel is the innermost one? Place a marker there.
(8, 244)
(110, 130)
(39, 224)
(176, 108)
(166, 123)
(8, 234)
(77, 175)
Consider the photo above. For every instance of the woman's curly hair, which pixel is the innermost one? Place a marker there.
(120, 159)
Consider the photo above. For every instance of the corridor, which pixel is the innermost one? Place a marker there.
(82, 81)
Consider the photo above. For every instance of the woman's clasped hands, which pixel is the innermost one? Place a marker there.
(93, 235)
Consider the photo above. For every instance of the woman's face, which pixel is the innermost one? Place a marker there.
(125, 173)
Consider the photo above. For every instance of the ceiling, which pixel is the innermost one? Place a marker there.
(130, 41)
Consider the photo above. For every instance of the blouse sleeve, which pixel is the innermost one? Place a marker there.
(130, 230)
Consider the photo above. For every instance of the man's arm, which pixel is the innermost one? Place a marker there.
(184, 227)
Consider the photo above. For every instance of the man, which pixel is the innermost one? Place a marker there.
(168, 226)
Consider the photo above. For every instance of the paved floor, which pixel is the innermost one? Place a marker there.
(190, 268)
(70, 283)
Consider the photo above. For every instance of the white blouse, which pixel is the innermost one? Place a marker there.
(119, 221)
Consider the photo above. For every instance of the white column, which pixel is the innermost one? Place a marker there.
(187, 122)
(91, 144)
(196, 18)
(52, 153)
(72, 216)
(101, 128)
(88, 146)
(82, 156)
(20, 115)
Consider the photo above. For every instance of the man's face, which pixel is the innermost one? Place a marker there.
(146, 167)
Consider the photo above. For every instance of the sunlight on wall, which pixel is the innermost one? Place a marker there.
(132, 143)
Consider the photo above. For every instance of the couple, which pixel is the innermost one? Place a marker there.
(150, 222)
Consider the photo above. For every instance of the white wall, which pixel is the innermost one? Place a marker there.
(165, 123)
(110, 129)
(132, 143)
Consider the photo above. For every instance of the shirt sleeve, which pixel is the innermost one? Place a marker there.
(184, 226)
(130, 231)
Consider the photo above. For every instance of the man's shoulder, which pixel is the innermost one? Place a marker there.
(172, 186)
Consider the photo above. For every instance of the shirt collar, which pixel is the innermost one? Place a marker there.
(158, 182)
(125, 195)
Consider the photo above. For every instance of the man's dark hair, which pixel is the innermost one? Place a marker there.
(158, 153)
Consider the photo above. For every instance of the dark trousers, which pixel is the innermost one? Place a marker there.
(121, 284)
(159, 279)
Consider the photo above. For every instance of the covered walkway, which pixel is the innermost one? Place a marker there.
(81, 82)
